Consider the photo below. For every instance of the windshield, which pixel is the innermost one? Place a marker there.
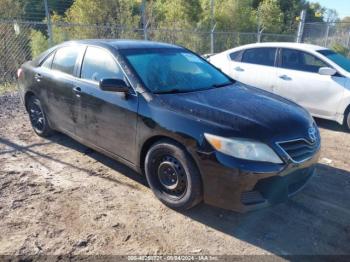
(340, 60)
(166, 70)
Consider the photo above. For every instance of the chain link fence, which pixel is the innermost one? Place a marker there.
(21, 40)
(331, 35)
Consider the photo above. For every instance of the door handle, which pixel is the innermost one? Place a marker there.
(77, 89)
(285, 77)
(239, 69)
(38, 77)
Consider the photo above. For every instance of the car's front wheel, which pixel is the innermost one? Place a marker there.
(37, 117)
(173, 176)
(347, 119)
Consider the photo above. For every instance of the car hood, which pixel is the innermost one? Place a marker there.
(244, 111)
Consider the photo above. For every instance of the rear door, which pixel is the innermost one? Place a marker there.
(58, 82)
(106, 119)
(298, 80)
(228, 62)
(256, 67)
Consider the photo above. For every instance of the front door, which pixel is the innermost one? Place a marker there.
(106, 119)
(298, 79)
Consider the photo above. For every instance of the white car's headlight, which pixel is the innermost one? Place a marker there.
(243, 148)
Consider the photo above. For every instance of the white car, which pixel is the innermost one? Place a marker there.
(313, 76)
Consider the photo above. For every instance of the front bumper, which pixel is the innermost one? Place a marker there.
(243, 186)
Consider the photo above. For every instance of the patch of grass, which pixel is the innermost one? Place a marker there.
(7, 88)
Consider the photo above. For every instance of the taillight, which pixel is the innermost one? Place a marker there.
(19, 73)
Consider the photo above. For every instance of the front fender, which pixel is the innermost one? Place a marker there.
(345, 102)
(155, 121)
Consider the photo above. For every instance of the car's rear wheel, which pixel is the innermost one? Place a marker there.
(173, 176)
(37, 117)
(347, 119)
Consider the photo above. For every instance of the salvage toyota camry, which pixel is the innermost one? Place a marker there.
(195, 133)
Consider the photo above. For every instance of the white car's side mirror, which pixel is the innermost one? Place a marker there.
(327, 71)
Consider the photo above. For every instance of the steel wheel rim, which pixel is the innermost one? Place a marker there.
(36, 117)
(171, 176)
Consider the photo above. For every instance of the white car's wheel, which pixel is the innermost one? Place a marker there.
(347, 119)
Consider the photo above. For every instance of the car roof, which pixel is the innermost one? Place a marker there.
(123, 43)
(301, 46)
(117, 44)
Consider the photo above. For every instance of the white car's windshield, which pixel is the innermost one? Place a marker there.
(340, 60)
(167, 70)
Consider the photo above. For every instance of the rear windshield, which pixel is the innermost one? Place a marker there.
(337, 58)
(165, 70)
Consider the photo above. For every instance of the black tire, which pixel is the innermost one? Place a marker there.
(38, 117)
(346, 122)
(167, 162)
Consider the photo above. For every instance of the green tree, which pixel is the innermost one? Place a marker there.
(10, 9)
(237, 16)
(116, 12)
(38, 43)
(180, 14)
(291, 10)
(112, 18)
(269, 17)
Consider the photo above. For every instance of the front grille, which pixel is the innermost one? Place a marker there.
(300, 150)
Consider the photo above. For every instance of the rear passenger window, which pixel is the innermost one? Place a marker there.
(236, 56)
(260, 56)
(299, 60)
(48, 61)
(65, 59)
(99, 64)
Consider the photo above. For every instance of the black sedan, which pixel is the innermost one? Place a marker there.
(166, 112)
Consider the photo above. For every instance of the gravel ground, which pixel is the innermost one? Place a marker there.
(59, 197)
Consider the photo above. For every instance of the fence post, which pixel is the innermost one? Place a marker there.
(212, 26)
(49, 26)
(327, 35)
(301, 26)
(259, 31)
(212, 39)
(144, 22)
(348, 41)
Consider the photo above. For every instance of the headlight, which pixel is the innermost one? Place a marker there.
(243, 148)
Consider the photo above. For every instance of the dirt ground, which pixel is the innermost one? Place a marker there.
(59, 197)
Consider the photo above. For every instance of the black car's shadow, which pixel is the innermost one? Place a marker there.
(109, 162)
(316, 221)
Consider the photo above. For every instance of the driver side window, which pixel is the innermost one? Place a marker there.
(99, 64)
(302, 61)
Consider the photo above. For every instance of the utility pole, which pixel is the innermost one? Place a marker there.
(301, 26)
(49, 26)
(212, 26)
(144, 19)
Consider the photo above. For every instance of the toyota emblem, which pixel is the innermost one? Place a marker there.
(312, 134)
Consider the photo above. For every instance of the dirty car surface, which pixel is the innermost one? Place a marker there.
(164, 111)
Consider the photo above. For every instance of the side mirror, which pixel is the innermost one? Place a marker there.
(327, 71)
(114, 85)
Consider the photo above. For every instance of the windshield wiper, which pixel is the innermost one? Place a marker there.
(171, 91)
(223, 84)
